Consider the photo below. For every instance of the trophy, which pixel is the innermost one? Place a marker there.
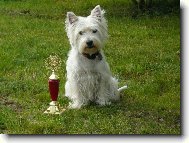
(53, 63)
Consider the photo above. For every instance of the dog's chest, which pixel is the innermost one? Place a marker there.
(89, 83)
(88, 78)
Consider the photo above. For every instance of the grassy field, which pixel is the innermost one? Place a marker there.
(143, 52)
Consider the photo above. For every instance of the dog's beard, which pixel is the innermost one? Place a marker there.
(90, 51)
(84, 49)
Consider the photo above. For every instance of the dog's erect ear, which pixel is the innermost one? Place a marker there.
(97, 13)
(71, 17)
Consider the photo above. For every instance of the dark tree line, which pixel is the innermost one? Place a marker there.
(142, 4)
(163, 5)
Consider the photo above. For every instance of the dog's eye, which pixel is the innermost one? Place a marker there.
(80, 32)
(95, 30)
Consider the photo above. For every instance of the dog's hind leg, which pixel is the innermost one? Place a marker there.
(108, 92)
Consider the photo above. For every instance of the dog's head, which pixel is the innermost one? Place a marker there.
(87, 34)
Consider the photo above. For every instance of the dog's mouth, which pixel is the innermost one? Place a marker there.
(96, 55)
(92, 52)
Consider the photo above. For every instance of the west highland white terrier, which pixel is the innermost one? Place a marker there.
(88, 74)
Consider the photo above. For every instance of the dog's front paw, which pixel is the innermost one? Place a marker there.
(103, 102)
(74, 106)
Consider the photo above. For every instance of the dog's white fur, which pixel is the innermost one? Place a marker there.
(88, 80)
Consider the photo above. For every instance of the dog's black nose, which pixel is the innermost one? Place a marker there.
(90, 44)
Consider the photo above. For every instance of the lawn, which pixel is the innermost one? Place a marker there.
(143, 52)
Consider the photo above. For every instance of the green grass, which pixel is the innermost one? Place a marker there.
(143, 52)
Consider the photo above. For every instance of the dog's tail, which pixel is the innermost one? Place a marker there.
(122, 88)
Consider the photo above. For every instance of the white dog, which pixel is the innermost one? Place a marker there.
(88, 74)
